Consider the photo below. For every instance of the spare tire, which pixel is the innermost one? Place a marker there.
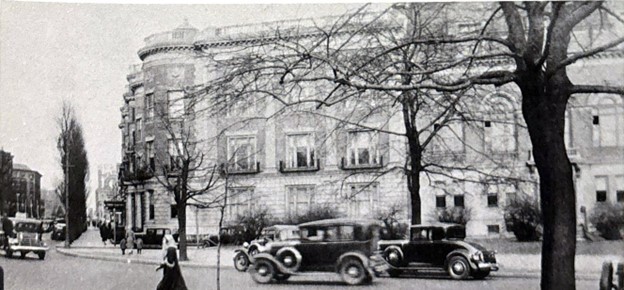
(290, 258)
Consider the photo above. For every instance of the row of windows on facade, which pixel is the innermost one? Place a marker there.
(602, 189)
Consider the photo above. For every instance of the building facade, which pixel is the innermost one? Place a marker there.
(294, 162)
(27, 188)
(7, 196)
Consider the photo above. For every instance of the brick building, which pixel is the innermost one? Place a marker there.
(27, 187)
(290, 163)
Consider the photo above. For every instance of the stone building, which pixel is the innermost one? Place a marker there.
(293, 162)
(27, 187)
(107, 190)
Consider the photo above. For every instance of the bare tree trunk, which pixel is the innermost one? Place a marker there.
(182, 230)
(544, 112)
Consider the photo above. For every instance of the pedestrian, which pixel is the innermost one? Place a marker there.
(139, 245)
(130, 242)
(103, 233)
(172, 275)
(122, 246)
(7, 228)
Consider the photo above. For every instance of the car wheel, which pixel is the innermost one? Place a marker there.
(253, 251)
(241, 262)
(41, 255)
(481, 274)
(458, 268)
(22, 255)
(262, 271)
(353, 272)
(290, 259)
(281, 277)
(393, 257)
(9, 253)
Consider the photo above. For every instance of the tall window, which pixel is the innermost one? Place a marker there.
(175, 104)
(176, 150)
(499, 133)
(619, 189)
(362, 148)
(300, 150)
(601, 188)
(151, 205)
(139, 124)
(608, 123)
(149, 151)
(363, 200)
(449, 138)
(242, 153)
(240, 201)
(149, 104)
(299, 199)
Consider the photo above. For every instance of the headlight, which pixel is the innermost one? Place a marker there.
(478, 256)
(13, 241)
(245, 245)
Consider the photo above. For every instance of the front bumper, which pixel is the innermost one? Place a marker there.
(18, 248)
(485, 266)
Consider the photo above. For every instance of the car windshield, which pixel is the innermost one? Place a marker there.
(27, 227)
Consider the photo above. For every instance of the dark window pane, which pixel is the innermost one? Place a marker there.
(492, 200)
(174, 211)
(596, 120)
(151, 211)
(459, 200)
(487, 124)
(364, 156)
(440, 201)
(493, 229)
(601, 195)
(620, 195)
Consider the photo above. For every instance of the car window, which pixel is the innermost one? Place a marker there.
(419, 234)
(346, 233)
(312, 234)
(331, 234)
(160, 232)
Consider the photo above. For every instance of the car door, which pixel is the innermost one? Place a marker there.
(418, 251)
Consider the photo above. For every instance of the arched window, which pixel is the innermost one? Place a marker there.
(608, 122)
(499, 124)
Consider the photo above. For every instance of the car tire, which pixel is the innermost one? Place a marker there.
(458, 268)
(41, 255)
(352, 272)
(481, 274)
(281, 277)
(263, 271)
(290, 259)
(23, 255)
(241, 262)
(9, 253)
(393, 257)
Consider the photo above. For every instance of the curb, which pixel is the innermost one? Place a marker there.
(70, 253)
(518, 273)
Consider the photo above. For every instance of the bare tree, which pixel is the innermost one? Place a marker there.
(422, 64)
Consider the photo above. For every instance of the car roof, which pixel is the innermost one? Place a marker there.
(25, 220)
(341, 221)
(436, 225)
(281, 227)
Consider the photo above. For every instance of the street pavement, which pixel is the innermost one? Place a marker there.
(91, 265)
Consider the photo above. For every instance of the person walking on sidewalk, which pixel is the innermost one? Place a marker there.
(122, 246)
(130, 242)
(172, 276)
(103, 233)
(139, 245)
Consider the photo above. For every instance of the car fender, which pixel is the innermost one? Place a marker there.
(295, 253)
(396, 248)
(274, 261)
(356, 255)
(463, 253)
(249, 257)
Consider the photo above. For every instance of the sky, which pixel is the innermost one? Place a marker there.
(50, 52)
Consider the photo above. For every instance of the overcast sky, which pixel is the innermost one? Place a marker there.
(52, 51)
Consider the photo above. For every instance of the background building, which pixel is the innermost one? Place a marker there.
(27, 188)
(294, 162)
(7, 196)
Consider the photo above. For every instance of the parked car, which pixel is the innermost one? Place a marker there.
(153, 237)
(58, 230)
(438, 247)
(26, 238)
(48, 225)
(345, 246)
(243, 256)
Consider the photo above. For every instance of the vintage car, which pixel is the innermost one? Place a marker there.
(153, 237)
(438, 247)
(58, 230)
(26, 238)
(345, 246)
(243, 257)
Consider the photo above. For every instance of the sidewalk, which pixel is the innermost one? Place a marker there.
(89, 245)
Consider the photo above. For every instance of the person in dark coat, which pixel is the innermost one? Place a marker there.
(172, 275)
(103, 233)
(122, 246)
(7, 228)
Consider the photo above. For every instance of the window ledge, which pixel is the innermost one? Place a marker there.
(344, 166)
(284, 169)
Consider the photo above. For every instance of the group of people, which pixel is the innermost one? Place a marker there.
(129, 242)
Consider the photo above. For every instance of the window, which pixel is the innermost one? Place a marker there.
(441, 201)
(458, 200)
(243, 105)
(363, 199)
(362, 148)
(176, 150)
(300, 151)
(499, 134)
(493, 229)
(299, 199)
(619, 192)
(240, 201)
(149, 151)
(608, 123)
(601, 188)
(139, 124)
(149, 104)
(175, 104)
(174, 211)
(242, 153)
(492, 200)
(449, 138)
(151, 205)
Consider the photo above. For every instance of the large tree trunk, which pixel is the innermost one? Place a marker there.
(543, 107)
(182, 230)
